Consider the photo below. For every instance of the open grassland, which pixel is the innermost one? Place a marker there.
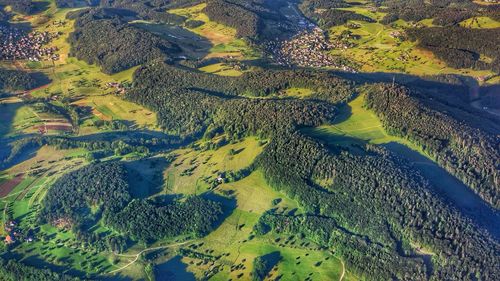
(221, 69)
(480, 22)
(356, 123)
(379, 50)
(193, 171)
(233, 240)
(19, 118)
(223, 38)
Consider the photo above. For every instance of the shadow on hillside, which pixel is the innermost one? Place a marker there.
(451, 189)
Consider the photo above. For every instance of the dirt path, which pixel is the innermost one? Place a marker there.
(343, 270)
(136, 256)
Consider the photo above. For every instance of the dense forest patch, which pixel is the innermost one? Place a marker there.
(328, 184)
(461, 47)
(11, 270)
(101, 190)
(469, 153)
(16, 80)
(104, 37)
(188, 101)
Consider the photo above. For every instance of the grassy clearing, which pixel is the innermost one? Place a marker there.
(298, 92)
(233, 240)
(193, 170)
(221, 69)
(357, 123)
(480, 22)
(223, 38)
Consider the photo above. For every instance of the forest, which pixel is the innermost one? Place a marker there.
(187, 101)
(148, 221)
(443, 12)
(102, 190)
(21, 6)
(467, 152)
(327, 182)
(102, 36)
(461, 47)
(16, 80)
(11, 270)
(247, 23)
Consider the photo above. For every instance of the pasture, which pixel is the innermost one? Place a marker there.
(356, 124)
(222, 38)
(193, 171)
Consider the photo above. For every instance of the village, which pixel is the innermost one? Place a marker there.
(15, 44)
(309, 48)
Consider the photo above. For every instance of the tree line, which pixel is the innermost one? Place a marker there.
(11, 270)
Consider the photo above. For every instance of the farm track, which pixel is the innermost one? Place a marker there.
(145, 251)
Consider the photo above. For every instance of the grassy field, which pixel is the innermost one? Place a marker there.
(378, 51)
(193, 171)
(480, 22)
(357, 124)
(223, 38)
(221, 69)
(234, 240)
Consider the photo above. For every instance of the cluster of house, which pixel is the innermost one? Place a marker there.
(17, 45)
(14, 234)
(118, 87)
(307, 49)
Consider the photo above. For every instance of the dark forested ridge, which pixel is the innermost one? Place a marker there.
(188, 101)
(402, 209)
(21, 6)
(326, 14)
(11, 270)
(102, 36)
(252, 19)
(443, 12)
(145, 220)
(461, 47)
(467, 152)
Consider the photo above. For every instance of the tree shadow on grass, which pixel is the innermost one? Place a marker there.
(173, 270)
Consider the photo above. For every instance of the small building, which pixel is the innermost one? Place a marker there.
(9, 240)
